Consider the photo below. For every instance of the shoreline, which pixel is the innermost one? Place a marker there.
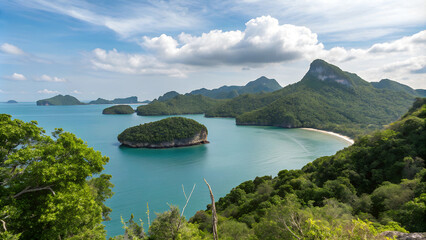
(346, 138)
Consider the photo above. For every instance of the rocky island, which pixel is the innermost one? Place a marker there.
(165, 133)
(118, 109)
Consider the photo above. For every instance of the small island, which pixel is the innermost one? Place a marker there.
(11, 101)
(165, 133)
(119, 109)
(59, 100)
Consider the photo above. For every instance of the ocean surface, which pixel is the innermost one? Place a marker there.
(235, 154)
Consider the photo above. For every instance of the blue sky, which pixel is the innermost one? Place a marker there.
(111, 49)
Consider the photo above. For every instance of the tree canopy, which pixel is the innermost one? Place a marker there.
(48, 189)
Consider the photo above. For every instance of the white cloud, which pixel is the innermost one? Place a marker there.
(1, 91)
(11, 49)
(47, 78)
(76, 92)
(18, 77)
(46, 91)
(263, 41)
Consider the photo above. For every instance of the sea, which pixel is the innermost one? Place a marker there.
(158, 177)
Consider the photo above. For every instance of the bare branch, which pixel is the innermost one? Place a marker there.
(183, 209)
(4, 225)
(29, 189)
(292, 233)
(214, 216)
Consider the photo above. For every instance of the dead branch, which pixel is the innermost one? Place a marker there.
(214, 215)
(183, 209)
(4, 225)
(29, 189)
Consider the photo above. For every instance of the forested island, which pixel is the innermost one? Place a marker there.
(165, 133)
(11, 101)
(119, 109)
(59, 100)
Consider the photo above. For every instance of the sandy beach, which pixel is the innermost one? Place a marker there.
(348, 139)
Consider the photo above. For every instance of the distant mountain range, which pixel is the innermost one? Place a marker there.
(70, 100)
(326, 98)
(260, 85)
(128, 100)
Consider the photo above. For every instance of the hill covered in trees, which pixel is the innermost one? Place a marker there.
(398, 87)
(59, 100)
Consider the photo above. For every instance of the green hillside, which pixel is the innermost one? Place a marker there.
(59, 100)
(181, 104)
(168, 96)
(380, 180)
(396, 86)
(326, 98)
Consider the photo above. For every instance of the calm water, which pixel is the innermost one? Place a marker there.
(235, 154)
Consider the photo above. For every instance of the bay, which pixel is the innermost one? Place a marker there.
(155, 176)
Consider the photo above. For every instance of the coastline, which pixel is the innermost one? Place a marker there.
(346, 138)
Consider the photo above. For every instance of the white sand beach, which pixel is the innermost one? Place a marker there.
(346, 138)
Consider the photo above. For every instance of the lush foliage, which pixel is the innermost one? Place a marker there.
(181, 104)
(118, 109)
(164, 130)
(60, 100)
(259, 85)
(46, 186)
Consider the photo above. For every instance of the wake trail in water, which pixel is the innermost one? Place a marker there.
(296, 141)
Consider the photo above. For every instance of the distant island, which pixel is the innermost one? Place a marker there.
(118, 109)
(11, 101)
(59, 100)
(165, 133)
(128, 100)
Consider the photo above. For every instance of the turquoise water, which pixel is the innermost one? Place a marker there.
(235, 154)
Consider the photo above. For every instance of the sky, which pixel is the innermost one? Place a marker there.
(112, 49)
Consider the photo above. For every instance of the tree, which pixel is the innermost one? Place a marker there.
(45, 186)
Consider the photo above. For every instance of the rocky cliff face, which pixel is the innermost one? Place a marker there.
(200, 138)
